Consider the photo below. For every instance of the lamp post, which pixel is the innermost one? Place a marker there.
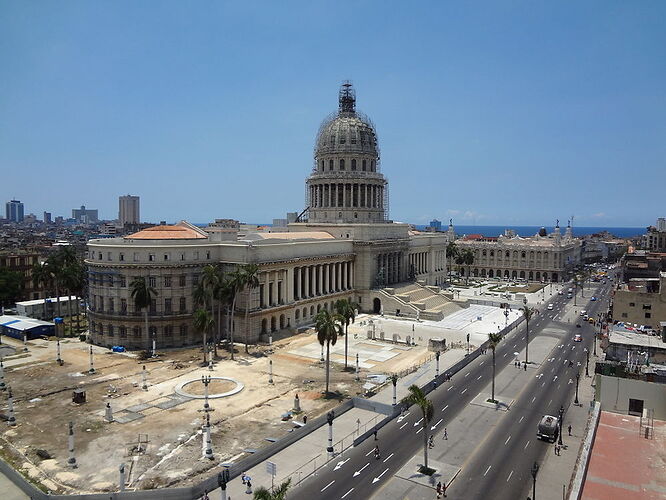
(205, 380)
(437, 354)
(270, 371)
(329, 418)
(468, 344)
(587, 362)
(535, 471)
(577, 379)
(506, 316)
(559, 434)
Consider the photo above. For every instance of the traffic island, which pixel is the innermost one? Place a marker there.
(484, 399)
(437, 472)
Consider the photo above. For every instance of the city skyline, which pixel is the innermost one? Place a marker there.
(470, 124)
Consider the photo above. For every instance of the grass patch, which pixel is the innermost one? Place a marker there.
(493, 401)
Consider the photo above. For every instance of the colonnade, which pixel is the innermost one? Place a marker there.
(391, 265)
(419, 262)
(340, 195)
(321, 279)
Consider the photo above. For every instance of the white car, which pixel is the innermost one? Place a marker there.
(550, 307)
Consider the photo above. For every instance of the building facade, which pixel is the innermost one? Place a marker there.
(543, 257)
(640, 301)
(85, 215)
(343, 246)
(654, 239)
(14, 211)
(129, 210)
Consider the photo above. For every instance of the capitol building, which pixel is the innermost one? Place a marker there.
(342, 246)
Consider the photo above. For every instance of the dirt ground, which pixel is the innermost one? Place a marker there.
(164, 446)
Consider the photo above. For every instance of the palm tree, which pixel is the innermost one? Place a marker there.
(468, 260)
(493, 340)
(42, 275)
(527, 314)
(235, 284)
(203, 323)
(417, 397)
(143, 294)
(394, 381)
(250, 282)
(278, 493)
(451, 253)
(347, 309)
(328, 327)
(211, 281)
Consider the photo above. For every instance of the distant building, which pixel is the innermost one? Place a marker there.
(47, 218)
(23, 262)
(641, 301)
(655, 238)
(30, 219)
(128, 210)
(84, 215)
(435, 224)
(14, 211)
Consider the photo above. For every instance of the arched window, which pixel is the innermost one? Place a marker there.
(342, 164)
(353, 165)
(506, 254)
(483, 253)
(365, 165)
(522, 254)
(330, 164)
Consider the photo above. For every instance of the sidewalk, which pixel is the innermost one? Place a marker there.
(306, 455)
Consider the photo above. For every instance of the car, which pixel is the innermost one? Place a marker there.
(578, 337)
(593, 299)
(550, 307)
(583, 312)
(577, 325)
(560, 292)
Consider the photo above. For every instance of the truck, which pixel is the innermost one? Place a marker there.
(548, 428)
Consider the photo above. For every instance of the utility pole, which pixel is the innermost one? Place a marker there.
(577, 379)
(329, 418)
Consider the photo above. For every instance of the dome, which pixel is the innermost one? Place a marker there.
(347, 131)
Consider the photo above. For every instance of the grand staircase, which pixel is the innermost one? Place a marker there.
(415, 299)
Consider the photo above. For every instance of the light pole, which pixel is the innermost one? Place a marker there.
(506, 316)
(535, 471)
(329, 418)
(559, 434)
(270, 371)
(587, 363)
(577, 379)
(437, 354)
(205, 380)
(468, 344)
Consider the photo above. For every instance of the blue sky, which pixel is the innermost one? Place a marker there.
(488, 112)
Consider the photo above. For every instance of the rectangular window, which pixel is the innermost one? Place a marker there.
(648, 315)
(136, 331)
(183, 305)
(624, 315)
(183, 330)
(208, 255)
(111, 281)
(182, 280)
(121, 257)
(182, 256)
(167, 281)
(167, 306)
(123, 332)
(136, 257)
(153, 306)
(123, 305)
(166, 256)
(99, 256)
(111, 305)
(168, 331)
(647, 307)
(110, 330)
(152, 281)
(151, 257)
(632, 304)
(108, 255)
(636, 407)
(123, 282)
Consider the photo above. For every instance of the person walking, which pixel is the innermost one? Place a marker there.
(446, 434)
(569, 429)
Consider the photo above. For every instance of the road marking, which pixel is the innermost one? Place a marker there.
(379, 477)
(510, 474)
(521, 419)
(420, 429)
(401, 427)
(526, 445)
(533, 399)
(550, 402)
(417, 423)
(445, 407)
(464, 390)
(341, 463)
(514, 345)
(328, 485)
(487, 470)
(481, 363)
(558, 385)
(479, 377)
(507, 440)
(435, 426)
(347, 493)
(505, 354)
(449, 389)
(361, 469)
(386, 459)
(543, 383)
(467, 374)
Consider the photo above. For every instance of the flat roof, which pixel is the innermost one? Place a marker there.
(22, 323)
(302, 235)
(35, 302)
(628, 337)
(623, 464)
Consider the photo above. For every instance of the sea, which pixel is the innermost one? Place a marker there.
(620, 232)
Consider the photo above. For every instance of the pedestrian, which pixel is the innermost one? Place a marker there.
(249, 486)
(305, 419)
(569, 429)
(244, 478)
(375, 433)
(439, 490)
(446, 434)
(555, 449)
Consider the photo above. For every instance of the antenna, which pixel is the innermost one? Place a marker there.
(347, 98)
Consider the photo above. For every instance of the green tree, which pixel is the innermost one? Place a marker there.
(328, 327)
(277, 493)
(417, 397)
(11, 286)
(528, 312)
(347, 309)
(250, 281)
(493, 340)
(41, 274)
(142, 294)
(203, 323)
(211, 282)
(234, 284)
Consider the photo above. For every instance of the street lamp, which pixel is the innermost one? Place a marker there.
(535, 471)
(587, 363)
(559, 434)
(577, 379)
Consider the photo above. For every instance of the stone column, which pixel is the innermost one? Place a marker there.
(325, 279)
(320, 279)
(297, 283)
(306, 281)
(351, 275)
(290, 285)
(342, 276)
(266, 281)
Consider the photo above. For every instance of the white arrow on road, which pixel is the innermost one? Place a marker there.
(340, 464)
(417, 423)
(555, 378)
(435, 426)
(379, 477)
(402, 417)
(358, 472)
(387, 458)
